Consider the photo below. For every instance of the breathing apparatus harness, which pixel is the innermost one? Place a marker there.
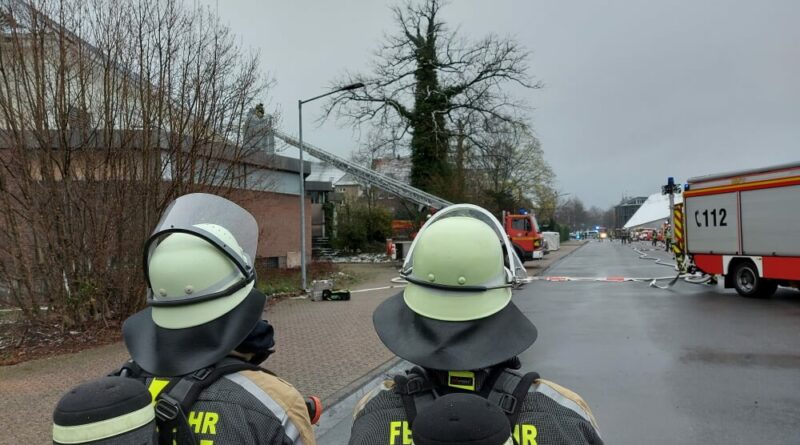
(500, 385)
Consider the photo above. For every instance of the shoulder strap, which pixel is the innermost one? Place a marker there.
(415, 390)
(520, 392)
(173, 405)
(508, 391)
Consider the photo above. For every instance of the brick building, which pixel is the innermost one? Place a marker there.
(83, 141)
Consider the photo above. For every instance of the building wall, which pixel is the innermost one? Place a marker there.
(350, 191)
(278, 217)
(626, 209)
(277, 214)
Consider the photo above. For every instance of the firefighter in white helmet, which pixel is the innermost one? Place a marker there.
(199, 343)
(455, 321)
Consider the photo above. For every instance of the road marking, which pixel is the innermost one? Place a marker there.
(377, 288)
(612, 279)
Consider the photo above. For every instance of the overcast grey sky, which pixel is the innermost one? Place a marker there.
(635, 90)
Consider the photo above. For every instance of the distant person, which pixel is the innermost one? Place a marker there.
(668, 237)
(655, 238)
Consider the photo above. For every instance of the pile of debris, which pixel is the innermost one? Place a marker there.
(362, 258)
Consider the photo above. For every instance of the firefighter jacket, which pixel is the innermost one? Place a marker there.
(247, 408)
(550, 415)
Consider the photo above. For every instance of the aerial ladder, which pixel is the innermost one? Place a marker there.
(368, 176)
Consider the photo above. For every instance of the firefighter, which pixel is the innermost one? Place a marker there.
(456, 323)
(198, 344)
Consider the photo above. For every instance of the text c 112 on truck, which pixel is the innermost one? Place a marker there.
(745, 226)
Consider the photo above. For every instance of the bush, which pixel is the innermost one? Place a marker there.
(564, 233)
(358, 226)
(553, 226)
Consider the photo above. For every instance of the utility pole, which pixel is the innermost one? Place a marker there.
(303, 273)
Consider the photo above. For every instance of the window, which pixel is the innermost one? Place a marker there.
(523, 224)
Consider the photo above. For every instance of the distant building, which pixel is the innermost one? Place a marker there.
(653, 213)
(321, 189)
(349, 188)
(626, 209)
(394, 167)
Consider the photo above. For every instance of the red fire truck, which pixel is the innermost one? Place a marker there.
(524, 233)
(522, 229)
(745, 226)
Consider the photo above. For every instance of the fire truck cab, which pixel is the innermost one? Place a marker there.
(523, 230)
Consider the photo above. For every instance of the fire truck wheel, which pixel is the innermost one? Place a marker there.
(749, 284)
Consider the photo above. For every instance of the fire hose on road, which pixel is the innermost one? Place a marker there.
(652, 281)
(688, 277)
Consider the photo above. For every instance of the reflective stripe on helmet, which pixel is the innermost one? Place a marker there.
(103, 429)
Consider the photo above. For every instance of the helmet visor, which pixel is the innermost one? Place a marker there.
(518, 274)
(195, 214)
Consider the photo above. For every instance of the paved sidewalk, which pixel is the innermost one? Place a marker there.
(324, 348)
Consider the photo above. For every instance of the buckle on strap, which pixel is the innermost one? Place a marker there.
(507, 403)
(167, 408)
(201, 374)
(415, 385)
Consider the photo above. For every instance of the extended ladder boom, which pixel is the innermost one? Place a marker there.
(369, 176)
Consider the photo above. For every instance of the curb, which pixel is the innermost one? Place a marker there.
(556, 262)
(353, 386)
(339, 407)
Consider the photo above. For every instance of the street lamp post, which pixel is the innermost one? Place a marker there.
(302, 175)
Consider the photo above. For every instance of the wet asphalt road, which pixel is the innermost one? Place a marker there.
(694, 364)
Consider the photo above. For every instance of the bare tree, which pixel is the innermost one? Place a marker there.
(108, 110)
(507, 169)
(573, 213)
(425, 78)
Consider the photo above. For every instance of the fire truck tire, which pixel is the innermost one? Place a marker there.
(748, 284)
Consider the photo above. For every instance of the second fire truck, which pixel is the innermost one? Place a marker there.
(745, 227)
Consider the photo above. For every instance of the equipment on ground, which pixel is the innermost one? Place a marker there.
(324, 290)
(744, 226)
(552, 240)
